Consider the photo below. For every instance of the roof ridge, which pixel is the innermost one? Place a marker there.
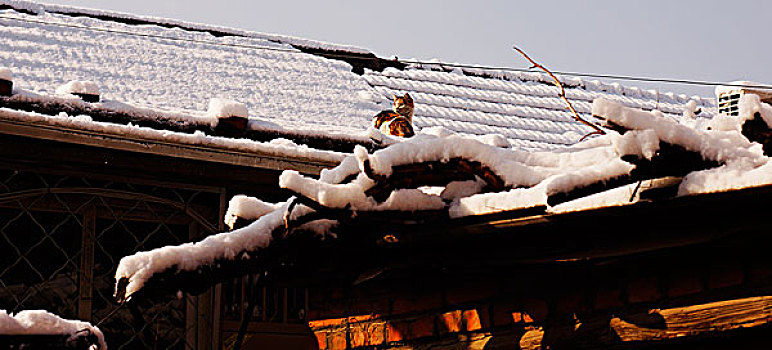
(359, 58)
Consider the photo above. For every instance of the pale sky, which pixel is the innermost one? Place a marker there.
(689, 40)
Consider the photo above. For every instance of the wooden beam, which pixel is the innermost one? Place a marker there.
(191, 304)
(86, 271)
(158, 146)
(93, 162)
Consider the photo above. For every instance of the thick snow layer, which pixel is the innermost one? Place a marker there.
(461, 189)
(285, 88)
(78, 87)
(352, 195)
(710, 145)
(40, 322)
(5, 74)
(64, 9)
(533, 177)
(744, 163)
(727, 177)
(487, 203)
(349, 166)
(430, 149)
(138, 268)
(519, 106)
(547, 173)
(624, 195)
(225, 108)
(298, 91)
(248, 208)
(751, 104)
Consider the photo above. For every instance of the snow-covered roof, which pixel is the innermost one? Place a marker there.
(169, 65)
(524, 107)
(689, 158)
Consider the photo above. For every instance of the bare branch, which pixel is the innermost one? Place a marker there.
(598, 132)
(578, 118)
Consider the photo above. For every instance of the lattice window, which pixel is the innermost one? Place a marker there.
(61, 238)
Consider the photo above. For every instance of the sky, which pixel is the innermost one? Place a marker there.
(716, 41)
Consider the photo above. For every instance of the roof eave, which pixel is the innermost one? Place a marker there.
(148, 145)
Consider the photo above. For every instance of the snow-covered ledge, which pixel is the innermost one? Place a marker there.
(41, 322)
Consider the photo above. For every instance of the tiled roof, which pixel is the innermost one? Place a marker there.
(524, 107)
(181, 66)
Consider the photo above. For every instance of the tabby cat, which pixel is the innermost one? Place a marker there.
(399, 122)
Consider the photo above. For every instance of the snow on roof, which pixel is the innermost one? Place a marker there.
(524, 107)
(528, 179)
(41, 322)
(294, 89)
(40, 8)
(276, 147)
(224, 108)
(288, 88)
(5, 74)
(78, 87)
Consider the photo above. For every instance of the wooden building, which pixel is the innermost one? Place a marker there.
(84, 184)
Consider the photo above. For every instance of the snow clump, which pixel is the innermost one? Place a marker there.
(78, 87)
(5, 74)
(247, 208)
(41, 322)
(225, 108)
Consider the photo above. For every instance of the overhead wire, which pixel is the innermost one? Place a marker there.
(343, 55)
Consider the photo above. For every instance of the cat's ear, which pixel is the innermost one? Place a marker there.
(408, 98)
(395, 96)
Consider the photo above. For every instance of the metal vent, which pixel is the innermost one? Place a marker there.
(728, 104)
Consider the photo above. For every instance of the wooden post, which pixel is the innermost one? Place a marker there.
(191, 305)
(86, 271)
(191, 326)
(217, 297)
(204, 321)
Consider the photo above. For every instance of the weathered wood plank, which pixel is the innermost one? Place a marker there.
(700, 319)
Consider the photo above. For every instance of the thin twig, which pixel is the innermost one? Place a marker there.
(111, 313)
(590, 134)
(578, 118)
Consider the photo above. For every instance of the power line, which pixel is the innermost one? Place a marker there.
(414, 62)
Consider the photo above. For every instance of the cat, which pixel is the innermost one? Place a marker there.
(400, 121)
